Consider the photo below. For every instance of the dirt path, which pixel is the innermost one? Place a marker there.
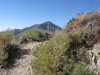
(20, 65)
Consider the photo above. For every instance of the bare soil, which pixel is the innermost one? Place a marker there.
(20, 64)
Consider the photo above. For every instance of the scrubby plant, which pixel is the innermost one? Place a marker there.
(64, 54)
(78, 69)
(29, 34)
(33, 35)
(5, 40)
(54, 55)
(48, 57)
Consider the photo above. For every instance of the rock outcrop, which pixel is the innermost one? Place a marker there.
(94, 57)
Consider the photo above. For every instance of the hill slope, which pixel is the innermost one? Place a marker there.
(73, 51)
(48, 27)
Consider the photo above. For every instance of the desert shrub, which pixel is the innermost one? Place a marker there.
(54, 55)
(64, 54)
(5, 40)
(78, 69)
(3, 55)
(90, 22)
(47, 57)
(33, 35)
(29, 34)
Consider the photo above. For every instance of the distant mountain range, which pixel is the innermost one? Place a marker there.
(48, 27)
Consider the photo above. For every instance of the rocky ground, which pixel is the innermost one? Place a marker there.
(20, 65)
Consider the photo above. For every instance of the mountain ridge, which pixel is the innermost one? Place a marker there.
(43, 27)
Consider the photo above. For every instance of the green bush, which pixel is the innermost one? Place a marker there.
(78, 69)
(54, 55)
(29, 34)
(5, 39)
(47, 57)
(35, 35)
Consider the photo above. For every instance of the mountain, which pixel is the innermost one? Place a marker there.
(48, 27)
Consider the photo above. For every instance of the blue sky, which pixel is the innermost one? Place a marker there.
(25, 13)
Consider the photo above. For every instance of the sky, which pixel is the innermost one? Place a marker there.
(25, 13)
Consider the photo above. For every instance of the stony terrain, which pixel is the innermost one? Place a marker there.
(21, 64)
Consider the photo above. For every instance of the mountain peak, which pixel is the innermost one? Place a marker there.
(45, 27)
(49, 26)
(47, 22)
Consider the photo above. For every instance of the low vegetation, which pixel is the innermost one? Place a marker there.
(5, 38)
(33, 35)
(60, 56)
(64, 54)
(29, 34)
(6, 44)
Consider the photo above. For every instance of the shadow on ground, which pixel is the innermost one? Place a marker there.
(11, 61)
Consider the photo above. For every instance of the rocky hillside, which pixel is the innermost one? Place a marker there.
(48, 27)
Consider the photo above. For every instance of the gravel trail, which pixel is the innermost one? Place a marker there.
(20, 65)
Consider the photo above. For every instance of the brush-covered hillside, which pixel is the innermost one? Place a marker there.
(67, 52)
